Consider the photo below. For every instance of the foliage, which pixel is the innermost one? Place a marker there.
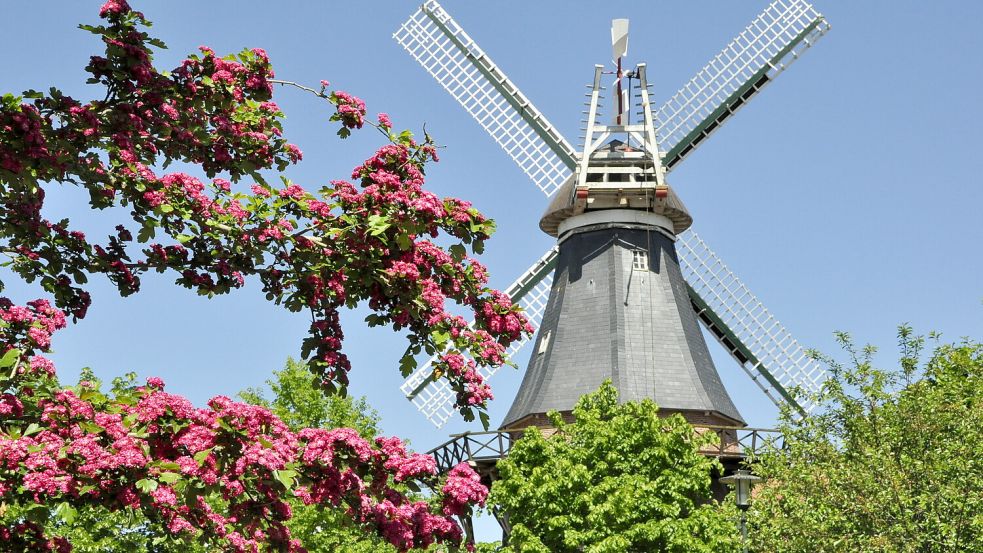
(224, 474)
(96, 529)
(891, 463)
(619, 478)
(300, 405)
(321, 528)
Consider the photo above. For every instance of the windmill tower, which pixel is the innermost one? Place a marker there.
(620, 295)
(618, 307)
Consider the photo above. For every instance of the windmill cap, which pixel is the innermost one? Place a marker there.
(618, 179)
(564, 205)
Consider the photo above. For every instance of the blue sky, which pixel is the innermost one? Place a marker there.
(847, 195)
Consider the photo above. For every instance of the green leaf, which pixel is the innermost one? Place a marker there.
(66, 512)
(169, 477)
(146, 233)
(458, 252)
(90, 427)
(38, 513)
(146, 485)
(183, 238)
(202, 455)
(378, 224)
(440, 338)
(10, 358)
(286, 477)
(407, 364)
(404, 242)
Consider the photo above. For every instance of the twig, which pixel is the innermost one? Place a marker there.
(300, 86)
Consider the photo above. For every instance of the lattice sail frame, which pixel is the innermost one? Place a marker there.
(748, 331)
(765, 48)
(435, 398)
(442, 47)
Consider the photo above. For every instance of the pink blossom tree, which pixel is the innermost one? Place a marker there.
(221, 473)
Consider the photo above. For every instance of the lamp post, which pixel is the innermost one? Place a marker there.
(741, 481)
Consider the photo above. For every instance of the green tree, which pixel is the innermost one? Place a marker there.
(891, 463)
(618, 479)
(298, 402)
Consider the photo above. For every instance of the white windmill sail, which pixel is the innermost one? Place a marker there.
(765, 48)
(748, 331)
(442, 47)
(434, 397)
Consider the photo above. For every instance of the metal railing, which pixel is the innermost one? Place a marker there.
(478, 447)
(486, 448)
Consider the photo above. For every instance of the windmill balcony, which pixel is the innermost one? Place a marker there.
(483, 450)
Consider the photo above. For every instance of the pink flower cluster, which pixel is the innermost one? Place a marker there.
(462, 490)
(498, 316)
(350, 109)
(35, 322)
(22, 140)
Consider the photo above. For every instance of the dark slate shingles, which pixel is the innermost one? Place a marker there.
(650, 348)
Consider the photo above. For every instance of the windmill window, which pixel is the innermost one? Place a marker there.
(640, 260)
(544, 342)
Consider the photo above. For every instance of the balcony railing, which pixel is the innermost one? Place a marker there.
(486, 448)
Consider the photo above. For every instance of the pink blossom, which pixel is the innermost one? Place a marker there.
(154, 198)
(40, 336)
(10, 405)
(113, 7)
(294, 153)
(170, 111)
(42, 364)
(164, 495)
(293, 191)
(463, 487)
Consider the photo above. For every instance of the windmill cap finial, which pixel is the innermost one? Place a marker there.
(619, 38)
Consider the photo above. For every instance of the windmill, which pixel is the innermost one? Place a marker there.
(620, 295)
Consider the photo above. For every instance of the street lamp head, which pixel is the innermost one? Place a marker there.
(741, 481)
